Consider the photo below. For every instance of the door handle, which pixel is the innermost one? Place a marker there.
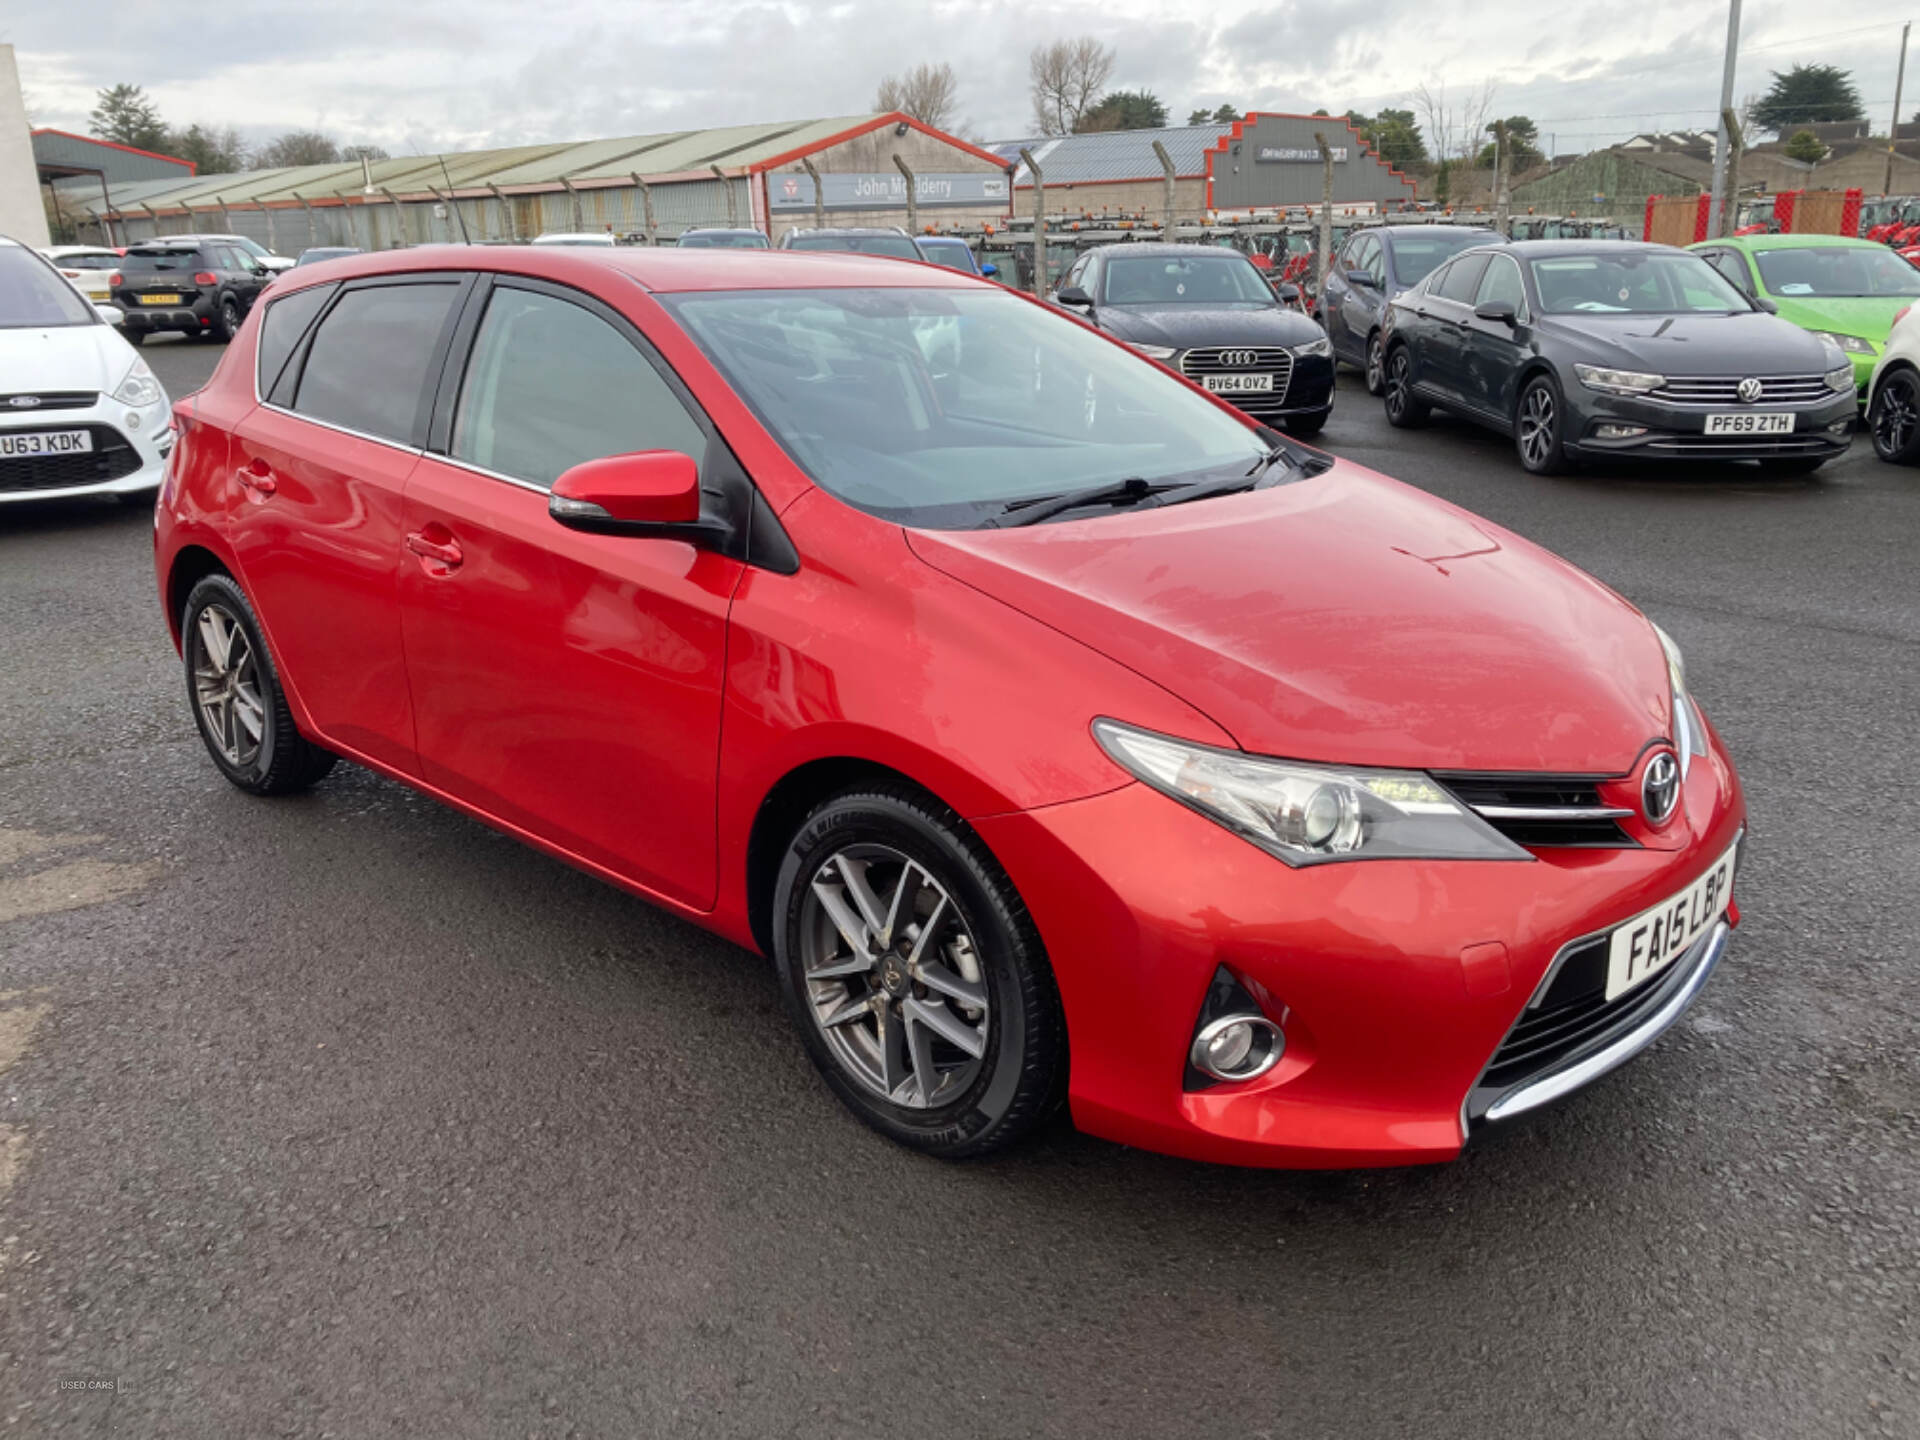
(256, 477)
(447, 553)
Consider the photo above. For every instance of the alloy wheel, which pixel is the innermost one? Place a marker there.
(1397, 369)
(893, 977)
(226, 686)
(1895, 419)
(230, 317)
(1537, 420)
(1376, 378)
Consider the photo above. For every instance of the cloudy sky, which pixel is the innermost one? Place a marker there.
(424, 75)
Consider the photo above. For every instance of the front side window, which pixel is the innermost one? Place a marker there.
(33, 295)
(1183, 280)
(1732, 266)
(1502, 283)
(940, 408)
(550, 384)
(1837, 270)
(1633, 282)
(367, 367)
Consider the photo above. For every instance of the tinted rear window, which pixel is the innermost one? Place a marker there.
(367, 366)
(1414, 256)
(285, 322)
(137, 261)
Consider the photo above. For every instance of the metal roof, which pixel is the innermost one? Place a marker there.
(674, 152)
(1112, 154)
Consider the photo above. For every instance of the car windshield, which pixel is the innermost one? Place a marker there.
(936, 408)
(1633, 282)
(145, 260)
(954, 257)
(898, 246)
(1184, 280)
(726, 240)
(1841, 270)
(1414, 256)
(34, 295)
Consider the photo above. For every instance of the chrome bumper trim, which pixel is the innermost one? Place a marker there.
(1552, 1086)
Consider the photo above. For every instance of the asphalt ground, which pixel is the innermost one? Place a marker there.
(344, 1115)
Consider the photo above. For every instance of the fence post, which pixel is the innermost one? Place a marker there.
(1039, 225)
(646, 208)
(913, 196)
(1325, 255)
(819, 195)
(1730, 200)
(726, 190)
(399, 213)
(506, 209)
(1166, 166)
(573, 202)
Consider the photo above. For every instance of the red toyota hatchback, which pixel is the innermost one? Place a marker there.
(1055, 730)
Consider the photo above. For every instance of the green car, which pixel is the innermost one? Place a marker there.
(1848, 290)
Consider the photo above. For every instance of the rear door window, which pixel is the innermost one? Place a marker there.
(1462, 279)
(550, 384)
(368, 365)
(285, 322)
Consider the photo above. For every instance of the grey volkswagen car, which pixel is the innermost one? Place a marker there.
(1614, 350)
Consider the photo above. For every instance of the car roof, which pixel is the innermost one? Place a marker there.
(1163, 247)
(1396, 230)
(79, 250)
(1542, 249)
(1794, 242)
(721, 230)
(847, 230)
(662, 268)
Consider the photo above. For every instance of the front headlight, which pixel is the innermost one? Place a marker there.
(1689, 738)
(1617, 382)
(1840, 379)
(1309, 814)
(139, 389)
(1322, 346)
(1849, 344)
(1153, 352)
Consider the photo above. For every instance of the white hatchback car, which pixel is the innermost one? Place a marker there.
(1893, 395)
(88, 267)
(80, 412)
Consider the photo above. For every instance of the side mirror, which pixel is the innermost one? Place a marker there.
(1359, 277)
(649, 492)
(989, 269)
(110, 313)
(1073, 295)
(1501, 312)
(1287, 291)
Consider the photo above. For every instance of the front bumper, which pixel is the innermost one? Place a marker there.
(1678, 432)
(1395, 982)
(127, 458)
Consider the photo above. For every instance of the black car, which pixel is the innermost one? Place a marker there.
(1614, 350)
(723, 240)
(1206, 312)
(856, 240)
(199, 288)
(1375, 265)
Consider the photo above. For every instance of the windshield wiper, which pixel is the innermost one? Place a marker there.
(1130, 491)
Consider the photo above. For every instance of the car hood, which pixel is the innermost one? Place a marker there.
(1749, 343)
(1186, 326)
(1868, 316)
(1344, 618)
(63, 357)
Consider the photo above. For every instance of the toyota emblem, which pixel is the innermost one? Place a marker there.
(1660, 788)
(1748, 390)
(1239, 358)
(23, 402)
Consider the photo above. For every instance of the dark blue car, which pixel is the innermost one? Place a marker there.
(953, 253)
(1375, 265)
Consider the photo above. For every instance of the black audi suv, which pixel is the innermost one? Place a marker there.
(1614, 350)
(1206, 312)
(1375, 265)
(196, 287)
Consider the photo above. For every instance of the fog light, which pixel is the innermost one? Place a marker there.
(1619, 432)
(1840, 427)
(133, 420)
(1237, 1047)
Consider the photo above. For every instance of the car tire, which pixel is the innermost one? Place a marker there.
(1405, 410)
(1893, 420)
(916, 1060)
(1305, 427)
(227, 319)
(1376, 367)
(235, 697)
(1539, 427)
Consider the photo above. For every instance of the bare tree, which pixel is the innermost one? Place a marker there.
(1454, 125)
(1068, 76)
(927, 92)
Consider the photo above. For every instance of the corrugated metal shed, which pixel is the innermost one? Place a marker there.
(58, 151)
(1110, 155)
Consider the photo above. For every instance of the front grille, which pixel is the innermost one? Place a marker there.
(1274, 360)
(1543, 811)
(49, 400)
(1725, 390)
(112, 458)
(1573, 1016)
